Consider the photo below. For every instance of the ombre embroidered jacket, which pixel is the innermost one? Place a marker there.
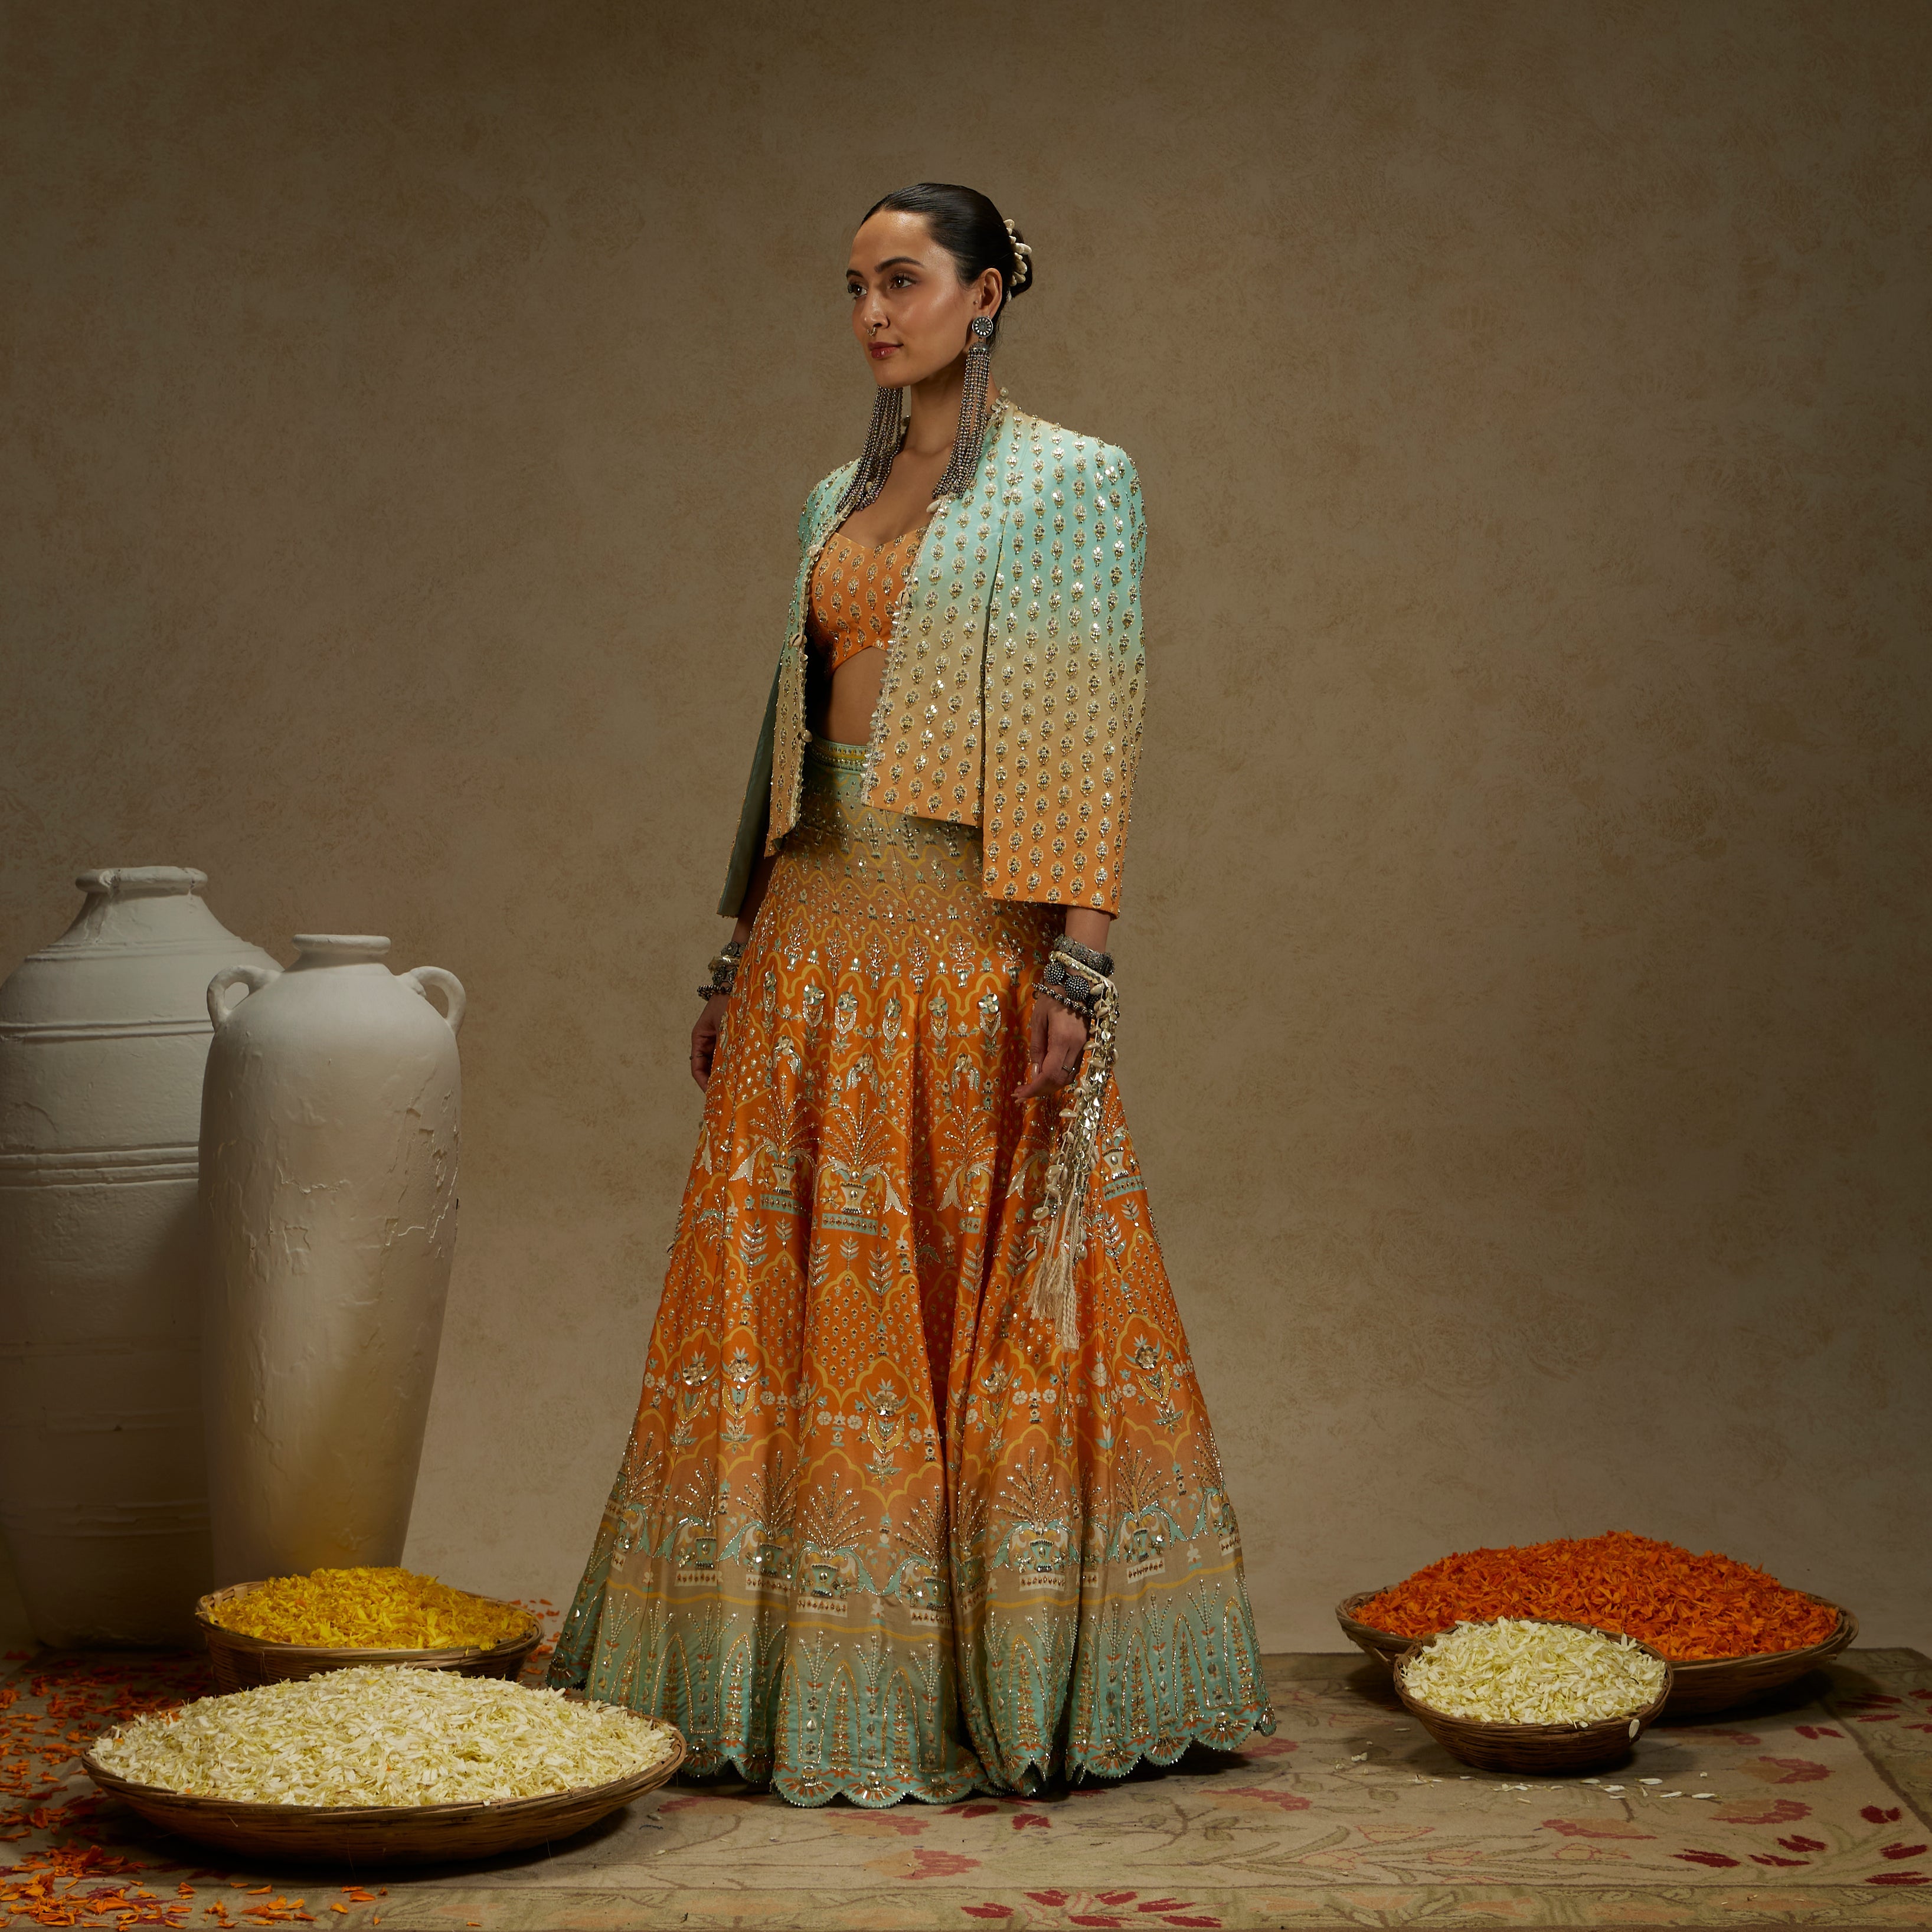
(1014, 676)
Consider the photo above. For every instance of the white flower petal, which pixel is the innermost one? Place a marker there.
(1516, 1670)
(377, 1735)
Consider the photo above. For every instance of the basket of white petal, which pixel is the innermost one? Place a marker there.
(384, 1765)
(1530, 1694)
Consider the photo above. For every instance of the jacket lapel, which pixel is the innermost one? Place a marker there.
(924, 754)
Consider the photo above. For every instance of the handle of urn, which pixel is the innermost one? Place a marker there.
(454, 998)
(219, 1006)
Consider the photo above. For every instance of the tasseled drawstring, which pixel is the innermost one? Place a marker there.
(1060, 1221)
(1057, 1248)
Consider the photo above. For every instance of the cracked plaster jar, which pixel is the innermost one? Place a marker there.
(329, 1146)
(103, 1036)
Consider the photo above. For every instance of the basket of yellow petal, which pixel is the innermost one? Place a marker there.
(374, 1764)
(1532, 1694)
(295, 1627)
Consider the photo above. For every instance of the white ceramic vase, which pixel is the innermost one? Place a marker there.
(104, 1037)
(328, 1137)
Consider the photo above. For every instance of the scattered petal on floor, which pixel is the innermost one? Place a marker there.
(1387, 1834)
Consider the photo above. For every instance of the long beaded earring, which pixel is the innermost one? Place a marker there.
(883, 438)
(959, 472)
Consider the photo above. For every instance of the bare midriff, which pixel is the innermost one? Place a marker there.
(855, 591)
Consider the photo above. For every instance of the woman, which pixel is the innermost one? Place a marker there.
(922, 1497)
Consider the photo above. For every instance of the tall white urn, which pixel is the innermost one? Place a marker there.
(328, 1137)
(104, 1037)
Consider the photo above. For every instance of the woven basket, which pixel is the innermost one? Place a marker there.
(240, 1662)
(1554, 1749)
(1384, 1646)
(1716, 1683)
(386, 1835)
(1700, 1687)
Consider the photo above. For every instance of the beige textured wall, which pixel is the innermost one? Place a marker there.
(406, 408)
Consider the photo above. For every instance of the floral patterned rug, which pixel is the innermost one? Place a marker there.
(1814, 1811)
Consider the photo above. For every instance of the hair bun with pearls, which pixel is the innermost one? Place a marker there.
(1022, 278)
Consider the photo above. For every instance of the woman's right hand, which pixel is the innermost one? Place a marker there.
(704, 1037)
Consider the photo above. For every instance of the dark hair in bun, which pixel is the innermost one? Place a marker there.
(970, 229)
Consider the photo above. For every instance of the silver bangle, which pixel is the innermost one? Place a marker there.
(723, 968)
(1068, 948)
(1070, 1001)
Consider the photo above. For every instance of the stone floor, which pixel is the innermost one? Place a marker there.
(1815, 1811)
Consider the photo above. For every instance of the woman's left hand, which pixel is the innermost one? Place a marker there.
(1054, 1047)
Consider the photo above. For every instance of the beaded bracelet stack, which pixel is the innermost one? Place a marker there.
(1070, 973)
(723, 969)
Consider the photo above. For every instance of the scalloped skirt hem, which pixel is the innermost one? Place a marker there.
(1223, 1732)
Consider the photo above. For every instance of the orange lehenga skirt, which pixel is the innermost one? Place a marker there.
(875, 1532)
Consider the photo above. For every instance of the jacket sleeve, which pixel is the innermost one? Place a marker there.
(754, 815)
(1065, 682)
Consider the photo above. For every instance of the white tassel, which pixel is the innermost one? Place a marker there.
(1060, 1221)
(1057, 1248)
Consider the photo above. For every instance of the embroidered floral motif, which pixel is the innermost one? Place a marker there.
(876, 1532)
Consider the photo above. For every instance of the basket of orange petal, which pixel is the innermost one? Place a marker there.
(290, 1627)
(1533, 1694)
(1384, 1646)
(1730, 1633)
(1707, 1684)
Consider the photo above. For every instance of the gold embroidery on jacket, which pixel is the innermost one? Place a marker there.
(1014, 686)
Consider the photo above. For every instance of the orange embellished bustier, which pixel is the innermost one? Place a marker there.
(854, 591)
